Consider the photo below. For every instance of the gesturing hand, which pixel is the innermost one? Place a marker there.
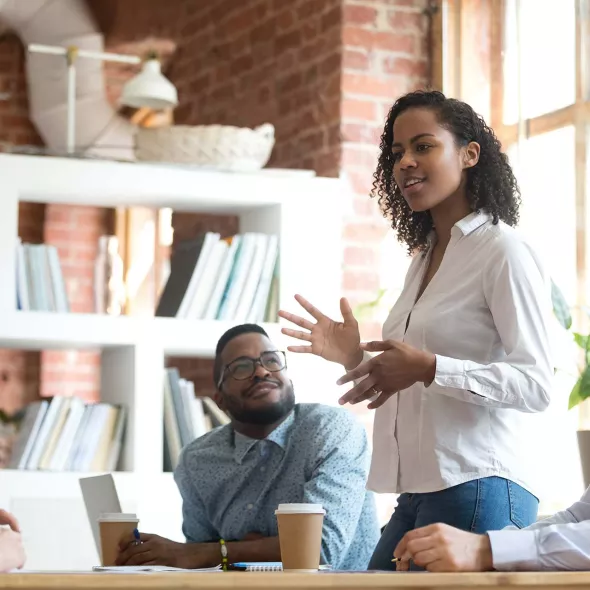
(334, 341)
(397, 367)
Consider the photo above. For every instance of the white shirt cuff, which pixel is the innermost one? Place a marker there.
(514, 550)
(449, 372)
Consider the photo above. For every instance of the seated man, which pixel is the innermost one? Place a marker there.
(274, 451)
(561, 542)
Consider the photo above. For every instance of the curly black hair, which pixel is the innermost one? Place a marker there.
(491, 184)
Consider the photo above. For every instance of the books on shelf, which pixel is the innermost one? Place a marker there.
(65, 434)
(233, 279)
(186, 416)
(40, 284)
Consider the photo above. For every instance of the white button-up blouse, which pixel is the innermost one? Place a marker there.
(485, 315)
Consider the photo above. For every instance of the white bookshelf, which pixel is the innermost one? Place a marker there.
(303, 210)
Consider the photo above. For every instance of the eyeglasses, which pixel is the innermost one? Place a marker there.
(244, 367)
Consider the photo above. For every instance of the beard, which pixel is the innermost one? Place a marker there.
(265, 415)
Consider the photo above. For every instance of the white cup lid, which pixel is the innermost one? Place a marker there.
(118, 517)
(300, 509)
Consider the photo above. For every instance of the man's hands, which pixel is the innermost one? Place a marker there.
(443, 548)
(156, 550)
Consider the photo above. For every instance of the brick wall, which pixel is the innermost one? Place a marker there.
(75, 232)
(19, 370)
(24, 375)
(324, 72)
(384, 55)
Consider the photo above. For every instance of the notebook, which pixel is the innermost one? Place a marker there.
(264, 566)
(257, 566)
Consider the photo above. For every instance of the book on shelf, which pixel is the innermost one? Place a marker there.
(186, 416)
(40, 285)
(66, 434)
(233, 279)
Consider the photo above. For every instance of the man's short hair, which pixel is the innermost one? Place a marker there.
(227, 338)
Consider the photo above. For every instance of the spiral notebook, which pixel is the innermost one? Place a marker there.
(257, 566)
(264, 566)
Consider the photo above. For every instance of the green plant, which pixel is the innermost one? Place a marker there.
(365, 311)
(581, 389)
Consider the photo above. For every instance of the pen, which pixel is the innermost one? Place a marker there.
(137, 537)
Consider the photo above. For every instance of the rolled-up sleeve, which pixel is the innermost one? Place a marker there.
(518, 296)
(561, 542)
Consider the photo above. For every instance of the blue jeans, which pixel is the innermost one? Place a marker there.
(481, 505)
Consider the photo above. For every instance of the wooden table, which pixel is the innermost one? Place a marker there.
(269, 581)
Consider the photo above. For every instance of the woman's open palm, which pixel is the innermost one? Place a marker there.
(338, 342)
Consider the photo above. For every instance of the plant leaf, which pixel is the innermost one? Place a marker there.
(561, 309)
(575, 398)
(363, 310)
(581, 340)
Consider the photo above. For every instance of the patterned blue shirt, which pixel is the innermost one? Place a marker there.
(231, 484)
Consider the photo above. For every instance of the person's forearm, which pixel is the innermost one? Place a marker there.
(209, 554)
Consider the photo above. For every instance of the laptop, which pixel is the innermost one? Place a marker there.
(100, 496)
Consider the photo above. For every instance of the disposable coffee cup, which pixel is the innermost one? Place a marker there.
(300, 536)
(113, 527)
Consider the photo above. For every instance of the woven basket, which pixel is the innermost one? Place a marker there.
(222, 147)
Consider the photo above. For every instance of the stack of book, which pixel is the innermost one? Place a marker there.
(186, 416)
(39, 281)
(65, 434)
(233, 279)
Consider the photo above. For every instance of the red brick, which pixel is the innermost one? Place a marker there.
(311, 142)
(353, 59)
(287, 41)
(331, 64)
(362, 182)
(376, 40)
(365, 232)
(361, 133)
(404, 66)
(285, 19)
(365, 207)
(359, 15)
(361, 280)
(242, 64)
(355, 157)
(360, 256)
(363, 84)
(404, 20)
(310, 8)
(359, 109)
(332, 18)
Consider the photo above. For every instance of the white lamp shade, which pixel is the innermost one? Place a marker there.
(150, 88)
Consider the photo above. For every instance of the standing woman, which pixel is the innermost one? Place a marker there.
(465, 353)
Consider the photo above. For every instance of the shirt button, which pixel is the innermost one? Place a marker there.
(250, 506)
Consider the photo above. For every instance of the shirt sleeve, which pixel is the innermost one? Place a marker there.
(518, 296)
(195, 525)
(561, 542)
(338, 484)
